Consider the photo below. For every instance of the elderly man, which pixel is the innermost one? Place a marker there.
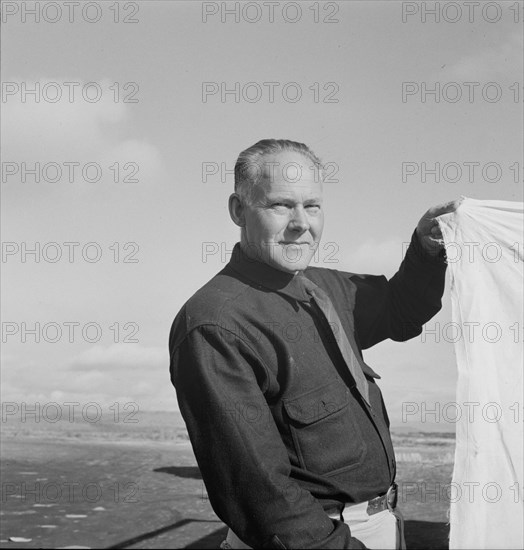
(286, 419)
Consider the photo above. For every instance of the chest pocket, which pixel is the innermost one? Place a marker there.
(326, 437)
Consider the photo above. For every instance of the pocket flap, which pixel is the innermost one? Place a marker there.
(318, 403)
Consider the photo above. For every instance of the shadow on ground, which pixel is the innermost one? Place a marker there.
(212, 540)
(427, 535)
(191, 472)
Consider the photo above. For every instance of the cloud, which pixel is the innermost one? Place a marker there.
(119, 356)
(122, 373)
(119, 373)
(102, 131)
(69, 130)
(503, 61)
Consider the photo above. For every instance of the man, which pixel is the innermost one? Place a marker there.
(287, 423)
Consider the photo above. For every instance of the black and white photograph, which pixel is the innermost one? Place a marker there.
(262, 279)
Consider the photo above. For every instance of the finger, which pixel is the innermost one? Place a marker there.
(445, 208)
(439, 242)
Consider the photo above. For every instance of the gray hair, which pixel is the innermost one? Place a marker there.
(249, 165)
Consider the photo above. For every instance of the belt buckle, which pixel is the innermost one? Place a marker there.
(392, 496)
(376, 505)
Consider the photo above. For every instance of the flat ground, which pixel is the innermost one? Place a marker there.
(110, 492)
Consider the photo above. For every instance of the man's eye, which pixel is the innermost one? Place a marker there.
(313, 206)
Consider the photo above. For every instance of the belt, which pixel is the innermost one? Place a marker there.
(383, 502)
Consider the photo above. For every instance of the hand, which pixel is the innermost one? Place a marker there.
(428, 230)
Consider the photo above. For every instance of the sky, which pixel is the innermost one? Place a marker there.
(117, 168)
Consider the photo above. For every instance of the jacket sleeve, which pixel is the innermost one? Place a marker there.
(398, 308)
(219, 382)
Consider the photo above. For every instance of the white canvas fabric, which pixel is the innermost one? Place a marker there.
(484, 243)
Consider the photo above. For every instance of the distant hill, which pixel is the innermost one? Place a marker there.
(148, 426)
(112, 425)
(428, 427)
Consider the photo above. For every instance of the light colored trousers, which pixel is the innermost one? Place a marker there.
(384, 530)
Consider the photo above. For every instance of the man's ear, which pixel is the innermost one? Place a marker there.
(236, 210)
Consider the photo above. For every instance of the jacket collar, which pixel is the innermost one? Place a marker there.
(265, 276)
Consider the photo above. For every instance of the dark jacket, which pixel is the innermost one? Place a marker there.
(279, 431)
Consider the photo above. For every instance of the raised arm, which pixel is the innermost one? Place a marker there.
(398, 308)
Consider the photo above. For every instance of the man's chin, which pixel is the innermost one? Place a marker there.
(290, 267)
(290, 258)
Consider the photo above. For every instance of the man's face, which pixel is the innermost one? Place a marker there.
(284, 222)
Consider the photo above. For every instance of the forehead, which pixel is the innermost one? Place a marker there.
(289, 173)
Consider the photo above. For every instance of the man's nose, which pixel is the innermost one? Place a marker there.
(299, 220)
